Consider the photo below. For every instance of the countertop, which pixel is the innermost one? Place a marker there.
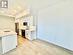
(3, 34)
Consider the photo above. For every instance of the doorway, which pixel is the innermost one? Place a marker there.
(17, 28)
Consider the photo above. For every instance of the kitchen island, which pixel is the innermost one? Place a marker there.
(8, 41)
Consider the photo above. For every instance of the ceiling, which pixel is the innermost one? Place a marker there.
(16, 7)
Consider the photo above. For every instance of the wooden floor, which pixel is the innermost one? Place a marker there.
(37, 47)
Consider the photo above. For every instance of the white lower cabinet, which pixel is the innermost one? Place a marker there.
(9, 42)
(31, 35)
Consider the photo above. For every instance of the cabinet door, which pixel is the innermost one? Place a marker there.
(0, 45)
(9, 43)
(28, 34)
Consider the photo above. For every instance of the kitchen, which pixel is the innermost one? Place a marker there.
(8, 36)
(9, 31)
(30, 27)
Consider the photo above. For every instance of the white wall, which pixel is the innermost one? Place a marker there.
(55, 24)
(7, 23)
